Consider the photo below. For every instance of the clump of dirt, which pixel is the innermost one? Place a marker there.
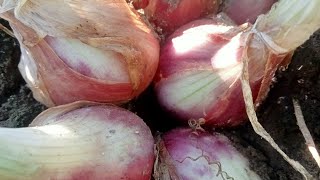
(300, 81)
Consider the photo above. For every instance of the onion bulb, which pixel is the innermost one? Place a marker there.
(201, 62)
(168, 15)
(78, 141)
(140, 4)
(185, 154)
(242, 11)
(83, 50)
(199, 69)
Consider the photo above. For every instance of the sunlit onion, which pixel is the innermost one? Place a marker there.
(85, 50)
(78, 141)
(201, 63)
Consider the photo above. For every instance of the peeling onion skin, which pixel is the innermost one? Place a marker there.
(242, 11)
(185, 154)
(169, 15)
(102, 51)
(81, 140)
(199, 70)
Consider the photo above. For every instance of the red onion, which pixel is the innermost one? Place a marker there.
(140, 4)
(201, 63)
(78, 141)
(185, 154)
(171, 14)
(242, 11)
(91, 50)
(198, 74)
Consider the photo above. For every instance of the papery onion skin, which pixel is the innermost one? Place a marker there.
(242, 11)
(186, 154)
(169, 15)
(198, 74)
(111, 28)
(79, 141)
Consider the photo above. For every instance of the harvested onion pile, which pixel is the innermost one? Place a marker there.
(204, 64)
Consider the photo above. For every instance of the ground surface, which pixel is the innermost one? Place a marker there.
(301, 81)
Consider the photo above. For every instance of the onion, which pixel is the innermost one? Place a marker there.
(140, 4)
(201, 63)
(199, 69)
(78, 141)
(85, 50)
(242, 11)
(185, 154)
(171, 14)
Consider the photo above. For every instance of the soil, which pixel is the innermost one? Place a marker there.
(300, 81)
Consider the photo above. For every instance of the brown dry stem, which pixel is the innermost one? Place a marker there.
(250, 109)
(164, 168)
(305, 131)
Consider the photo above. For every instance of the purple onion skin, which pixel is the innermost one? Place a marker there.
(242, 11)
(199, 71)
(186, 154)
(190, 84)
(169, 15)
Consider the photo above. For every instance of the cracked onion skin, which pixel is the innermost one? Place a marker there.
(187, 154)
(101, 51)
(199, 71)
(81, 140)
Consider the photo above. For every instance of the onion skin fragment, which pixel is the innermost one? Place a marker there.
(169, 15)
(199, 70)
(81, 140)
(242, 11)
(186, 154)
(103, 51)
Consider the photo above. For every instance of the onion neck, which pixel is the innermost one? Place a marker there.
(290, 22)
